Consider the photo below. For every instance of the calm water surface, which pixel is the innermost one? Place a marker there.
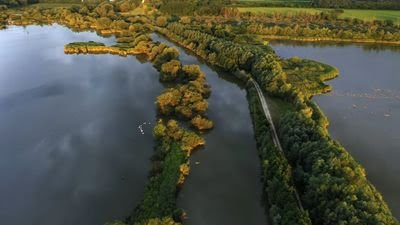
(364, 108)
(224, 187)
(71, 151)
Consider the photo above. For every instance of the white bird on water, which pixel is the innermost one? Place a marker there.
(141, 127)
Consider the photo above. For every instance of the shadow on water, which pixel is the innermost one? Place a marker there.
(224, 183)
(364, 107)
(47, 90)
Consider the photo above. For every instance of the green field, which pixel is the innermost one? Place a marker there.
(362, 14)
(393, 15)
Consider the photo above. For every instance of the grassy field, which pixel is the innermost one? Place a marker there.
(362, 14)
(393, 15)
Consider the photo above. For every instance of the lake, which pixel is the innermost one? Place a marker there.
(363, 108)
(72, 152)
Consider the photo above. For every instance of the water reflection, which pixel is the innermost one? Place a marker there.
(71, 152)
(364, 108)
(224, 183)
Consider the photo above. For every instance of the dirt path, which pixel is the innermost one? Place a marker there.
(274, 133)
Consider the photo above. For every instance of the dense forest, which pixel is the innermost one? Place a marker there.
(15, 3)
(333, 186)
(190, 7)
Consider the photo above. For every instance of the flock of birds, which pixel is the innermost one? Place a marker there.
(140, 127)
(376, 94)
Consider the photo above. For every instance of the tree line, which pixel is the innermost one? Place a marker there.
(15, 3)
(345, 4)
(324, 25)
(191, 7)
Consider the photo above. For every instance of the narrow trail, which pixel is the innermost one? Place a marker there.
(274, 133)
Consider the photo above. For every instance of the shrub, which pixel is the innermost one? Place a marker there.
(170, 70)
(202, 123)
(105, 10)
(185, 20)
(103, 23)
(167, 55)
(162, 21)
(159, 131)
